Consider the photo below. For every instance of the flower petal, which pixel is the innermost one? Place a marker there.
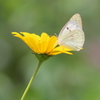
(51, 44)
(30, 39)
(58, 50)
(43, 43)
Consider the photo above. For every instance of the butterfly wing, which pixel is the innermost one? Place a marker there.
(72, 36)
(77, 19)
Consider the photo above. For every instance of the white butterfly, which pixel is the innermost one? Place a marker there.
(71, 35)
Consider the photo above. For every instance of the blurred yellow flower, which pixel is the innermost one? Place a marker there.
(43, 44)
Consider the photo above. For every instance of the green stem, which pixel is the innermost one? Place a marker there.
(31, 80)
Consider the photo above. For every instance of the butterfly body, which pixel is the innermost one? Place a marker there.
(72, 36)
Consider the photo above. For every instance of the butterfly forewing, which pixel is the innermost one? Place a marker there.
(77, 19)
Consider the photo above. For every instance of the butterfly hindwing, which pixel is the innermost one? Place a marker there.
(73, 40)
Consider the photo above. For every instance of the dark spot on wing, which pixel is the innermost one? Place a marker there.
(68, 29)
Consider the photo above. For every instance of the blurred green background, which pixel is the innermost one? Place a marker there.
(62, 77)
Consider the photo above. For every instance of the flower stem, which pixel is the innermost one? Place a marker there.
(31, 80)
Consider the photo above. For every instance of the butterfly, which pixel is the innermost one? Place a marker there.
(71, 35)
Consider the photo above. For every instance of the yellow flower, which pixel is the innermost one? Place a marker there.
(43, 44)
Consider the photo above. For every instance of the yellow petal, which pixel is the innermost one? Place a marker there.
(54, 53)
(58, 50)
(43, 43)
(32, 40)
(51, 44)
(27, 38)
